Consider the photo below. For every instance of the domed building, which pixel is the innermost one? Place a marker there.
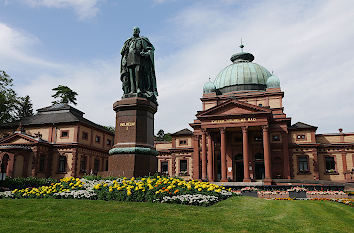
(243, 135)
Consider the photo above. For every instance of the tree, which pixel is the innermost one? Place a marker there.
(8, 99)
(110, 128)
(160, 135)
(64, 94)
(24, 107)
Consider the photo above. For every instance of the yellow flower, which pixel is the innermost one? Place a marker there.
(129, 193)
(199, 189)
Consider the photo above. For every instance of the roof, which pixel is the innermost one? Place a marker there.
(242, 74)
(183, 132)
(301, 125)
(55, 114)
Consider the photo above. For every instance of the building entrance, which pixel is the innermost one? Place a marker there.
(238, 166)
(259, 170)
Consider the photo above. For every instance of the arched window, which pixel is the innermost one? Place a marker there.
(62, 163)
(41, 163)
(4, 162)
(83, 163)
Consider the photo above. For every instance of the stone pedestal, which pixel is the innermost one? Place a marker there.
(133, 153)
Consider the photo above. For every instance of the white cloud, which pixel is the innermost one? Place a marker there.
(15, 47)
(83, 8)
(307, 45)
(97, 82)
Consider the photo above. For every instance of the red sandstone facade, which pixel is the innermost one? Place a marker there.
(57, 142)
(245, 136)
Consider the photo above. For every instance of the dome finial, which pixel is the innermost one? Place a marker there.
(241, 46)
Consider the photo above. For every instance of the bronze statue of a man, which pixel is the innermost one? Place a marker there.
(137, 67)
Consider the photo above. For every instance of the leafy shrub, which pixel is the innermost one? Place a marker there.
(25, 182)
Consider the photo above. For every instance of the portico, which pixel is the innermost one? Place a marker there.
(223, 139)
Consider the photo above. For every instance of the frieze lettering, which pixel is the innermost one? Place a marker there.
(250, 119)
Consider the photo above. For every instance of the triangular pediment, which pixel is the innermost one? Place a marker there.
(18, 138)
(233, 107)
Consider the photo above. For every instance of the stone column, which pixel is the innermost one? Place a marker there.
(74, 163)
(223, 155)
(345, 167)
(210, 159)
(286, 168)
(196, 157)
(246, 172)
(267, 158)
(34, 162)
(204, 165)
(316, 173)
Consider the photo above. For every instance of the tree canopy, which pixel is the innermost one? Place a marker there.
(12, 107)
(162, 136)
(24, 107)
(64, 94)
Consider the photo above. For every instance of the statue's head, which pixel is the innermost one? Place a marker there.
(136, 31)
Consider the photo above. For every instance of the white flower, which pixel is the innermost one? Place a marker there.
(6, 194)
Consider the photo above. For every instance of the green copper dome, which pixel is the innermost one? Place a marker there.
(242, 74)
(209, 87)
(273, 82)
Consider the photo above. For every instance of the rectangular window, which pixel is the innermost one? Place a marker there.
(64, 133)
(164, 167)
(96, 165)
(83, 163)
(330, 165)
(41, 164)
(301, 137)
(62, 164)
(303, 164)
(183, 166)
(84, 136)
(108, 142)
(182, 142)
(98, 139)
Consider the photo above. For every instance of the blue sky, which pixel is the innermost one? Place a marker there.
(308, 44)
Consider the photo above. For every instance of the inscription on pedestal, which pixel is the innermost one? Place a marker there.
(127, 124)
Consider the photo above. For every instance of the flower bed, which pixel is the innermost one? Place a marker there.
(249, 191)
(273, 194)
(297, 192)
(326, 194)
(346, 201)
(153, 189)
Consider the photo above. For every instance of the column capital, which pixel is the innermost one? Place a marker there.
(265, 127)
(208, 135)
(244, 129)
(203, 131)
(223, 130)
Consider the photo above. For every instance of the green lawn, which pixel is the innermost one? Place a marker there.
(235, 214)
